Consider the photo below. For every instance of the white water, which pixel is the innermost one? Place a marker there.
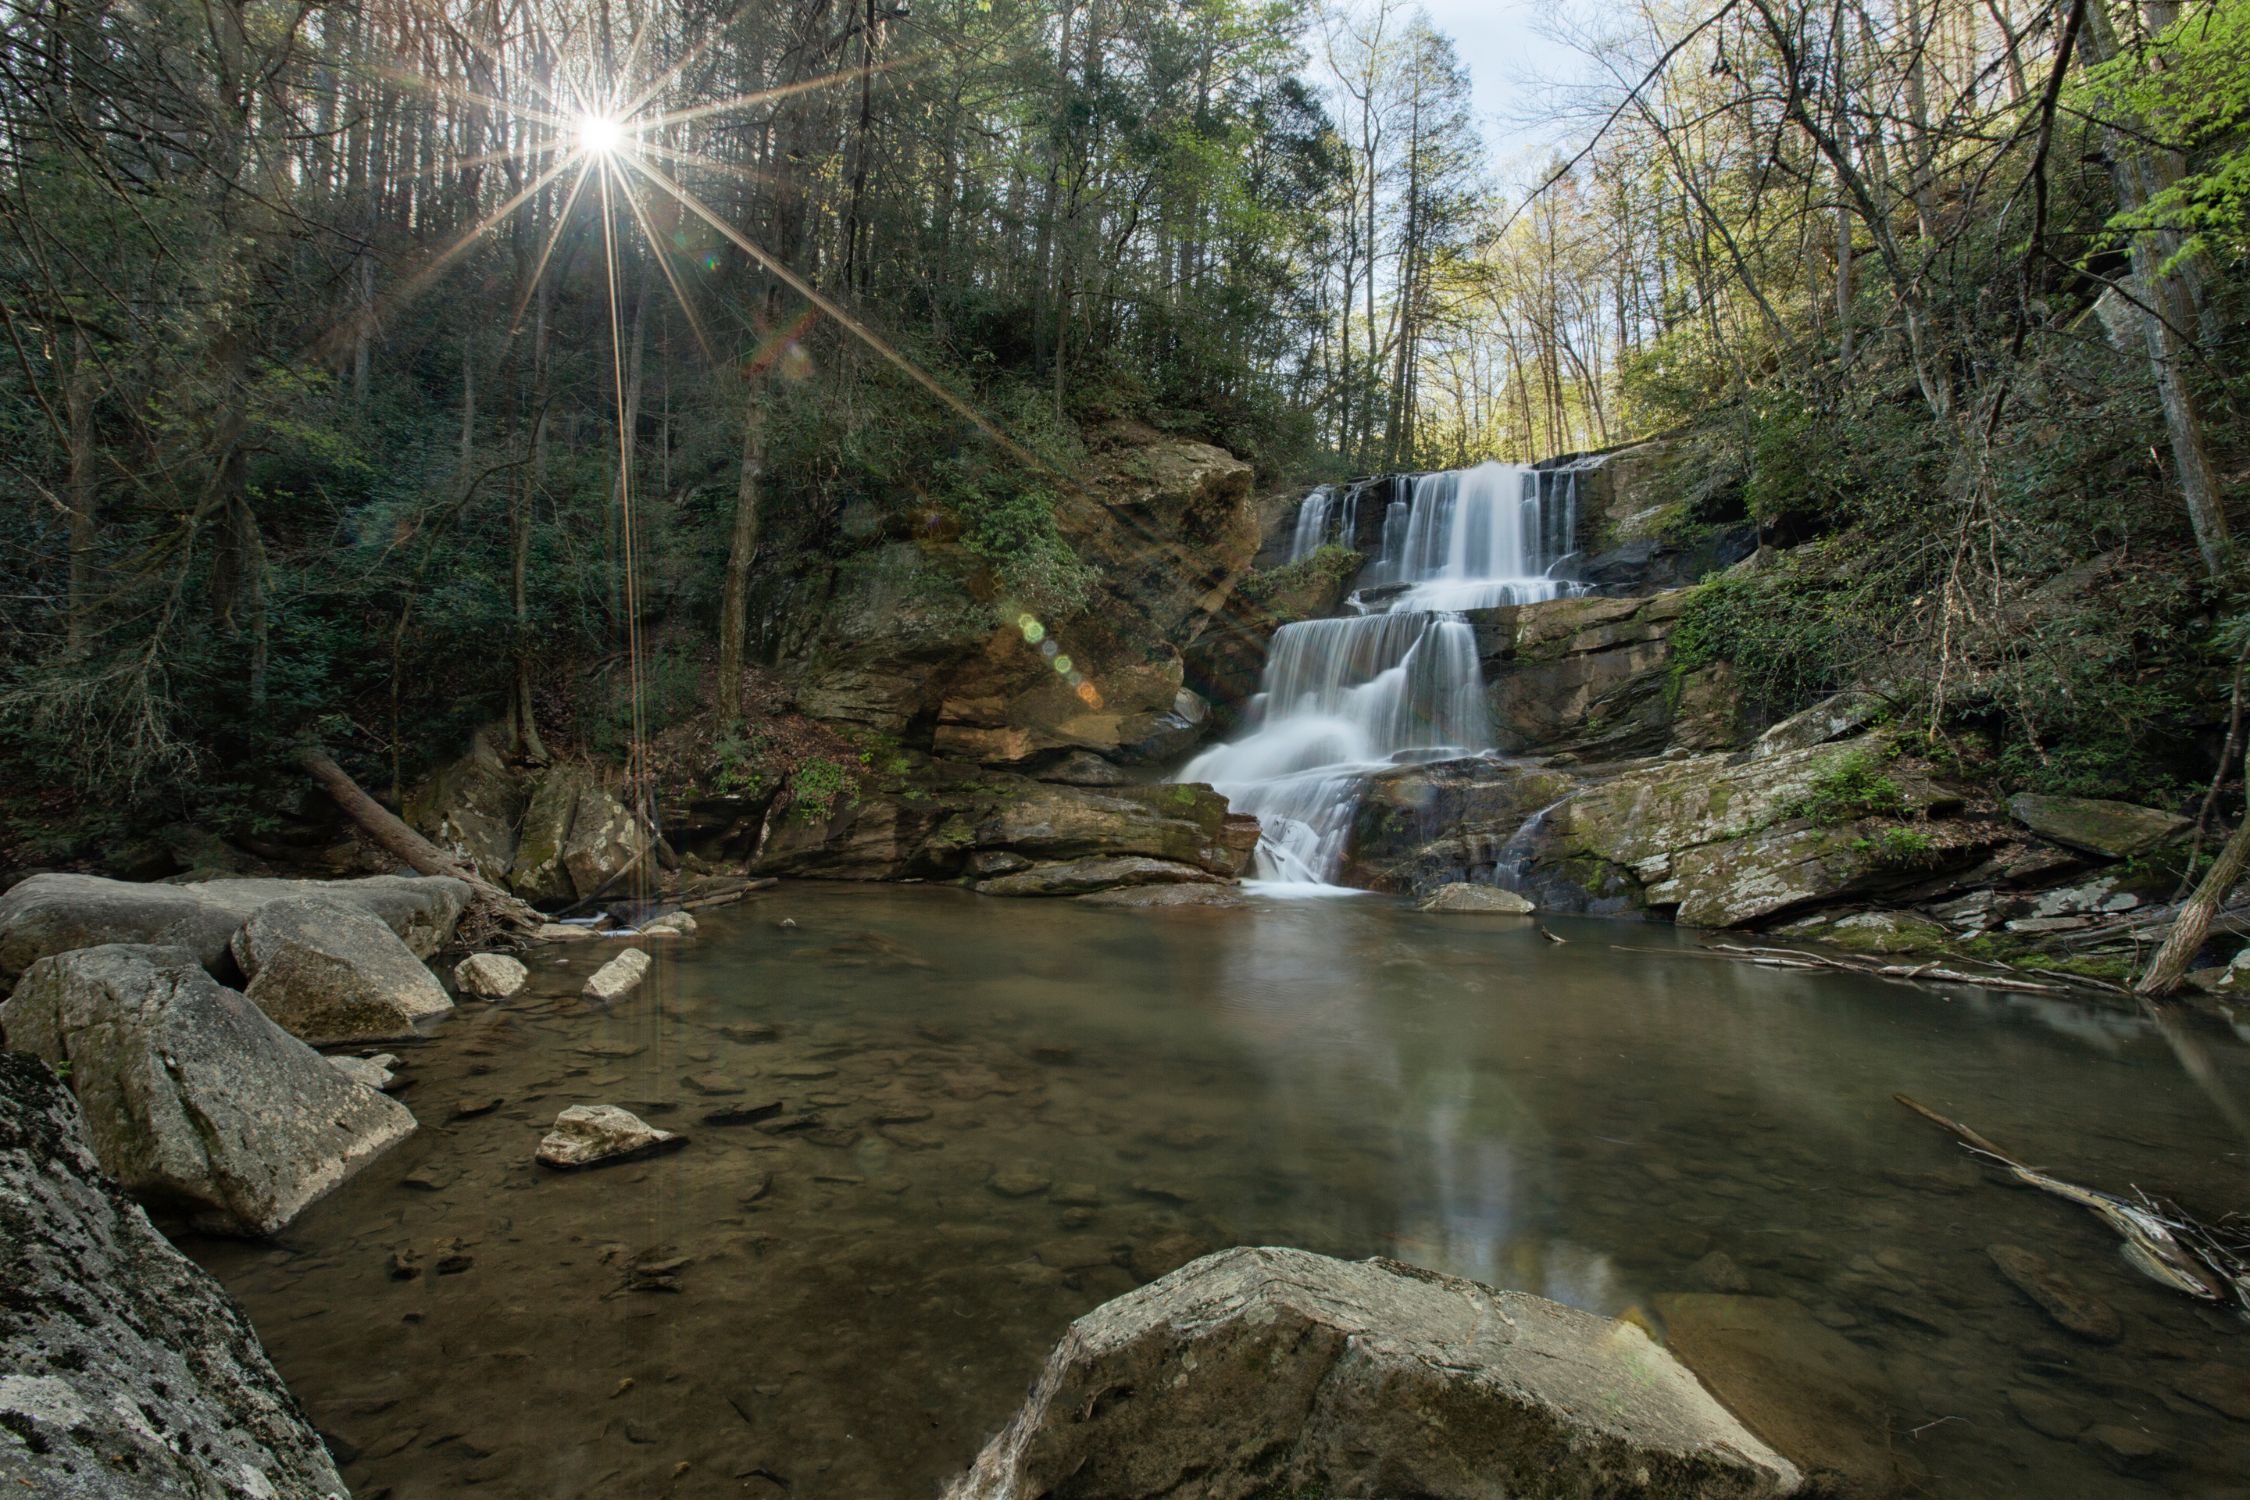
(1344, 698)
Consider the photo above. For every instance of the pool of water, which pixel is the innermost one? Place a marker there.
(1025, 1108)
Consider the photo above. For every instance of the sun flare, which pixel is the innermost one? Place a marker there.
(599, 134)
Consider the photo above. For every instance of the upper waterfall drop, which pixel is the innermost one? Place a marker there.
(1397, 681)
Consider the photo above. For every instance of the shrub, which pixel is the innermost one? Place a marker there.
(1848, 788)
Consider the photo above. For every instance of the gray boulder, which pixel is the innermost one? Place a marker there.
(1078, 876)
(596, 1135)
(55, 913)
(329, 973)
(126, 1372)
(1259, 1372)
(618, 978)
(577, 839)
(494, 976)
(195, 1101)
(1481, 900)
(2116, 829)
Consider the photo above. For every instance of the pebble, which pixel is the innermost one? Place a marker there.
(1076, 1195)
(1021, 1181)
(2223, 1388)
(742, 1114)
(2070, 1305)
(2125, 1449)
(473, 1105)
(909, 1139)
(712, 1083)
(2046, 1414)
(805, 1072)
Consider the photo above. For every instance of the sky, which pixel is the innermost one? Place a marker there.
(1507, 57)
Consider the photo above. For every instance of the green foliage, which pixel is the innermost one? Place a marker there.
(671, 689)
(1310, 578)
(1008, 523)
(817, 786)
(2197, 101)
(1849, 787)
(742, 762)
(1900, 849)
(1787, 641)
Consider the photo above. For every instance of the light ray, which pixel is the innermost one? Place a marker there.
(471, 96)
(515, 324)
(664, 264)
(712, 163)
(781, 91)
(453, 252)
(847, 320)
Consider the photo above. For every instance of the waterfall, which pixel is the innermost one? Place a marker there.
(1344, 698)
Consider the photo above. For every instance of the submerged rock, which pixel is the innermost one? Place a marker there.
(54, 913)
(1259, 1372)
(195, 1101)
(595, 1135)
(1489, 900)
(125, 1370)
(1187, 895)
(1798, 1384)
(2116, 829)
(327, 972)
(2058, 1294)
(494, 976)
(618, 978)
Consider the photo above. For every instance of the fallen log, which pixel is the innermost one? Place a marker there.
(392, 835)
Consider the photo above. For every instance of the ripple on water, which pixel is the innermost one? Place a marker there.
(926, 1130)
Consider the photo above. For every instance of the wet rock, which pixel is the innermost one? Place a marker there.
(1477, 899)
(618, 978)
(491, 976)
(1021, 1180)
(713, 1084)
(194, 1100)
(1076, 1195)
(1166, 1254)
(1262, 1372)
(1882, 932)
(1717, 1272)
(474, 1106)
(672, 921)
(907, 1138)
(2116, 829)
(1801, 1386)
(742, 1114)
(1079, 876)
(596, 1135)
(47, 914)
(327, 973)
(2058, 1295)
(805, 1072)
(1085, 768)
(1168, 897)
(364, 1071)
(2128, 1450)
(2223, 1388)
(2047, 1414)
(125, 1370)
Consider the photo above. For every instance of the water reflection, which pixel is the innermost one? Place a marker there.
(1021, 1109)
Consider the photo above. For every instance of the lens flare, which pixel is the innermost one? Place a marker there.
(599, 135)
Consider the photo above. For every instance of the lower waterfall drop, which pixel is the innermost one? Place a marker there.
(1344, 698)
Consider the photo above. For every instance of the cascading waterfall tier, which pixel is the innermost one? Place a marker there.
(1399, 681)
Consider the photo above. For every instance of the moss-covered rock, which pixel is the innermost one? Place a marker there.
(2118, 830)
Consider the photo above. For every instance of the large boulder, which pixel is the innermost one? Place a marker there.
(1187, 824)
(1167, 522)
(1723, 840)
(2118, 830)
(577, 839)
(195, 1101)
(1463, 898)
(126, 1372)
(1261, 1372)
(54, 913)
(327, 973)
(1419, 827)
(472, 809)
(1078, 877)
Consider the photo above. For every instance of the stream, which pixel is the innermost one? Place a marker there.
(1028, 1107)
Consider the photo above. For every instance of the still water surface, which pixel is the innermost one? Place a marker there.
(849, 1307)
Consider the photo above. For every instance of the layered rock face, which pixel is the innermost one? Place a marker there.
(1260, 1372)
(126, 1373)
(194, 1100)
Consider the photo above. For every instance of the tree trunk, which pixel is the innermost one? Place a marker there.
(734, 607)
(394, 837)
(2194, 922)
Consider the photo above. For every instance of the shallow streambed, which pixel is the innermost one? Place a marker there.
(1027, 1107)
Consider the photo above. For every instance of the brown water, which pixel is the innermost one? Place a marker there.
(849, 1308)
